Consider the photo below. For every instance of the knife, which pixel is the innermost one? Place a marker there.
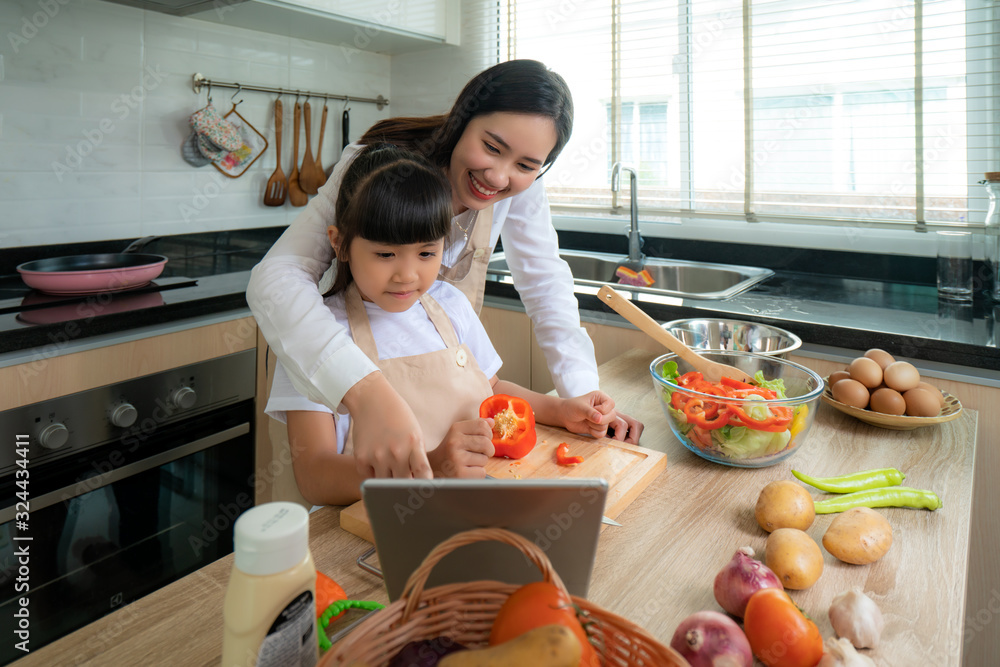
(604, 519)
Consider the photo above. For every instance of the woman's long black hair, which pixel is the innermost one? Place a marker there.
(515, 86)
(389, 195)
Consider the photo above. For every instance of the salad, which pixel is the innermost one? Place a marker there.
(748, 427)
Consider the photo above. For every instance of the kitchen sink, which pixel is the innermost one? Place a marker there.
(671, 277)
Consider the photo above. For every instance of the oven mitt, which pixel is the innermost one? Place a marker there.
(191, 153)
(252, 144)
(216, 135)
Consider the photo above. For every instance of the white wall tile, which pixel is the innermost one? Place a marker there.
(96, 104)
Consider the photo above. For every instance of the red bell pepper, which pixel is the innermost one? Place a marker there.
(563, 458)
(707, 416)
(513, 425)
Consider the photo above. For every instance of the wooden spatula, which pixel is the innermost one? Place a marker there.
(296, 196)
(320, 172)
(307, 175)
(277, 185)
(713, 371)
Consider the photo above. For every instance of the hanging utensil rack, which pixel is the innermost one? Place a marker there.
(199, 80)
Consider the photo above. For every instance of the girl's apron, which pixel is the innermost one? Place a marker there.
(441, 387)
(477, 256)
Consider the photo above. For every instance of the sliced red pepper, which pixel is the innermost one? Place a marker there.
(700, 436)
(708, 417)
(733, 383)
(688, 378)
(678, 399)
(563, 458)
(513, 425)
(778, 419)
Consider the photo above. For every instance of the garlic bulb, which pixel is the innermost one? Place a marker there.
(855, 617)
(840, 653)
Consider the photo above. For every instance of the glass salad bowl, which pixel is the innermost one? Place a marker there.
(727, 422)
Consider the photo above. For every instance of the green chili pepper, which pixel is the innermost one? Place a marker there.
(859, 481)
(895, 496)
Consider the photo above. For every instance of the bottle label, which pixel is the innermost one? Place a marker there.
(291, 640)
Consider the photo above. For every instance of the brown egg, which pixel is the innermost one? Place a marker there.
(934, 390)
(901, 376)
(837, 376)
(887, 401)
(881, 357)
(851, 392)
(866, 371)
(922, 403)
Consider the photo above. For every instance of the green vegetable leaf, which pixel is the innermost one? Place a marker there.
(668, 371)
(777, 385)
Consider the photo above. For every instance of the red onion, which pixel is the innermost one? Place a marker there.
(711, 639)
(740, 578)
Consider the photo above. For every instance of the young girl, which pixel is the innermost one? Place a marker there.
(506, 127)
(393, 213)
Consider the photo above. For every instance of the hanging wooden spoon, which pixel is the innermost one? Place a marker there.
(307, 175)
(277, 185)
(320, 172)
(713, 371)
(296, 196)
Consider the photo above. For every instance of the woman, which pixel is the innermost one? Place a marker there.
(505, 129)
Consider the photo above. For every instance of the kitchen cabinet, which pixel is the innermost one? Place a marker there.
(383, 26)
(49, 377)
(510, 333)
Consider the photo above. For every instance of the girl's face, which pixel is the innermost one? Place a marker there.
(392, 277)
(498, 156)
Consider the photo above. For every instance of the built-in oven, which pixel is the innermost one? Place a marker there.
(114, 492)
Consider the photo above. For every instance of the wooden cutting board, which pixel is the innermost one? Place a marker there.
(628, 469)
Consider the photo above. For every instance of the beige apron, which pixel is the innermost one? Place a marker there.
(441, 387)
(479, 250)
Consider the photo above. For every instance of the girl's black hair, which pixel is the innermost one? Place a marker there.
(389, 195)
(515, 86)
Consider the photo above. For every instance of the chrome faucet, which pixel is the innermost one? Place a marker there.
(635, 255)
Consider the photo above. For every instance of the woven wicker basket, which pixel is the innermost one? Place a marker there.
(465, 612)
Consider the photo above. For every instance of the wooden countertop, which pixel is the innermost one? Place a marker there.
(659, 567)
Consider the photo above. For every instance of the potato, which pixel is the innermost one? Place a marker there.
(784, 504)
(859, 536)
(794, 557)
(552, 645)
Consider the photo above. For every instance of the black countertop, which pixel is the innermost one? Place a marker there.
(208, 273)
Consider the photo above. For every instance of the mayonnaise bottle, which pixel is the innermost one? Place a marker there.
(270, 606)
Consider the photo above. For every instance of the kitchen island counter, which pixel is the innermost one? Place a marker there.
(659, 566)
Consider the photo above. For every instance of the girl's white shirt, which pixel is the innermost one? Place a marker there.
(403, 334)
(317, 352)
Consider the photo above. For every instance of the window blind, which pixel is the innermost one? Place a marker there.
(883, 112)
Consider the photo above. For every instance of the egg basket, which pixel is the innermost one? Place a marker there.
(465, 612)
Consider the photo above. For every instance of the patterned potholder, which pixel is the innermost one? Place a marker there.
(252, 145)
(191, 153)
(213, 129)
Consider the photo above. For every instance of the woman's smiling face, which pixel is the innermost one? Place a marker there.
(498, 155)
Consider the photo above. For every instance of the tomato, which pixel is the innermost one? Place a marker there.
(779, 633)
(513, 425)
(534, 605)
(328, 591)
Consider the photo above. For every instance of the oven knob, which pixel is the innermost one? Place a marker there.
(53, 436)
(183, 398)
(123, 415)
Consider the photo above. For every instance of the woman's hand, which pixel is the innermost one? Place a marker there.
(627, 429)
(590, 414)
(466, 448)
(388, 441)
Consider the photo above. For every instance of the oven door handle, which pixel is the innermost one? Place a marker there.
(112, 476)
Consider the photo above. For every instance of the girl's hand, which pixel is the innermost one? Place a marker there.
(590, 414)
(466, 448)
(626, 429)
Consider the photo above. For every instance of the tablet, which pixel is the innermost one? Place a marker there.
(410, 517)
